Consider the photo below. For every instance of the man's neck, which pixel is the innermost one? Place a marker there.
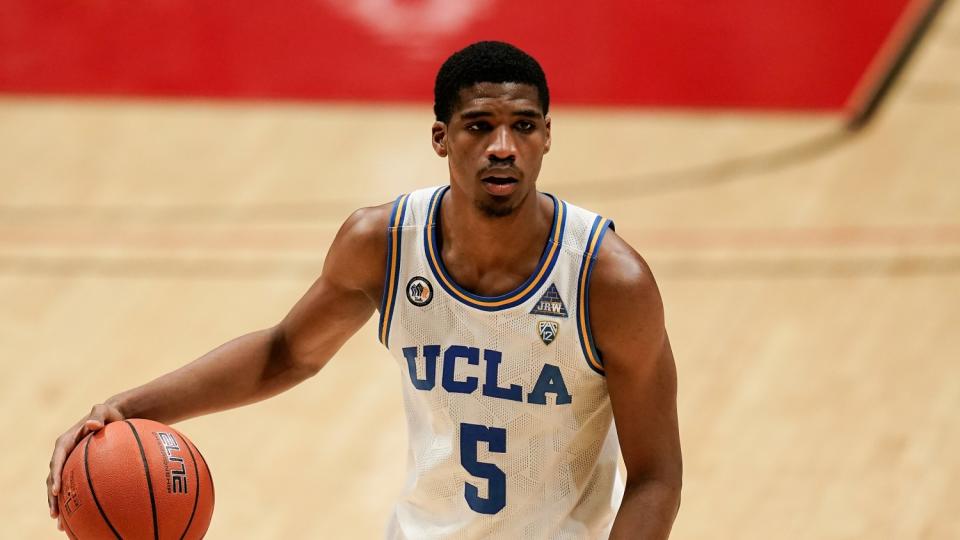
(493, 254)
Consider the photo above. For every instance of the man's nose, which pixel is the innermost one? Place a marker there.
(502, 146)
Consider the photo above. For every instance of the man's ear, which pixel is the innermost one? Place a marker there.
(439, 138)
(546, 145)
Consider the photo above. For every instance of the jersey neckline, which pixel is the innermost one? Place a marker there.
(524, 291)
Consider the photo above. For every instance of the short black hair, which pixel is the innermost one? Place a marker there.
(485, 61)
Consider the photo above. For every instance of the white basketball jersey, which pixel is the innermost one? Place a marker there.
(510, 425)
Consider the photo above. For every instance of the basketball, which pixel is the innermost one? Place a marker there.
(136, 479)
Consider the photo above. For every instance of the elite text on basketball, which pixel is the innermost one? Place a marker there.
(175, 470)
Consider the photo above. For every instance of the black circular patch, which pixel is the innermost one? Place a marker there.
(419, 291)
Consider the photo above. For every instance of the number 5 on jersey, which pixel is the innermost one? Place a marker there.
(496, 438)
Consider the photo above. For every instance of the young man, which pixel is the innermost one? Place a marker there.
(523, 325)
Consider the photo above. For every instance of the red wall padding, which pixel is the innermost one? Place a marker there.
(733, 53)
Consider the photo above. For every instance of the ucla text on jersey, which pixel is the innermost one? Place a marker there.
(550, 380)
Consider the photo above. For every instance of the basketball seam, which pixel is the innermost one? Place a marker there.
(146, 468)
(86, 467)
(213, 491)
(196, 472)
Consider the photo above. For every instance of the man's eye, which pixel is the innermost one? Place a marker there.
(478, 127)
(525, 126)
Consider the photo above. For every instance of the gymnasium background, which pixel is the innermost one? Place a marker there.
(173, 172)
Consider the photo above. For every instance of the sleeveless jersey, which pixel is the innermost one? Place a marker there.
(510, 424)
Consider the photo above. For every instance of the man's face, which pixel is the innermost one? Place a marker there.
(494, 144)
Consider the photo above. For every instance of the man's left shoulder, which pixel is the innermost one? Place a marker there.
(622, 283)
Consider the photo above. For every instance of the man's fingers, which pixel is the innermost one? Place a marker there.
(100, 415)
(105, 414)
(51, 499)
(56, 466)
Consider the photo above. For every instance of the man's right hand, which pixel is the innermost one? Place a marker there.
(99, 416)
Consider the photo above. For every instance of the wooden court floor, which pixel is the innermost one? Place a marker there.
(811, 282)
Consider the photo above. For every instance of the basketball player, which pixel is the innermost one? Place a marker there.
(522, 325)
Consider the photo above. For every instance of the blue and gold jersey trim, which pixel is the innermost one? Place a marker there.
(392, 274)
(597, 232)
(521, 294)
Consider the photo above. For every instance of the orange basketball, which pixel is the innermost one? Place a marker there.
(136, 479)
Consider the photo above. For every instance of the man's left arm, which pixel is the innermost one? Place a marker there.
(627, 323)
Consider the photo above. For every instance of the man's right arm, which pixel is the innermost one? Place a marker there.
(264, 363)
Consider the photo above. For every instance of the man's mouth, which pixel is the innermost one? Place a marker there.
(499, 180)
(499, 186)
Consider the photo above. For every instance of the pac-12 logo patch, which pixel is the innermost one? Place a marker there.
(419, 291)
(548, 331)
